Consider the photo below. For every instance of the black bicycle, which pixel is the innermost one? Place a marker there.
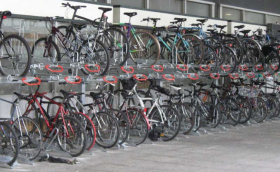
(15, 54)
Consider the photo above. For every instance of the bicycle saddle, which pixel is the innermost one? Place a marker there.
(6, 13)
(175, 87)
(80, 26)
(131, 14)
(239, 27)
(221, 26)
(180, 19)
(96, 96)
(202, 20)
(66, 94)
(105, 9)
(245, 31)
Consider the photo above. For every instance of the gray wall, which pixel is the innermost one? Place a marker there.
(272, 6)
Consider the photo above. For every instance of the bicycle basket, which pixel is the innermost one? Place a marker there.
(248, 91)
(128, 84)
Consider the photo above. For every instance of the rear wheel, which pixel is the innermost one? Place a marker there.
(15, 56)
(144, 46)
(9, 145)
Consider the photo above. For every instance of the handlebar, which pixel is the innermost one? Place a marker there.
(73, 7)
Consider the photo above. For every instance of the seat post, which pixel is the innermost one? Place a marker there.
(129, 19)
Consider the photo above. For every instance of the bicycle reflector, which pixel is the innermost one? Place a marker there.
(225, 68)
(169, 77)
(140, 77)
(250, 75)
(67, 79)
(127, 71)
(157, 68)
(4, 17)
(182, 67)
(259, 67)
(204, 68)
(215, 75)
(234, 75)
(110, 82)
(243, 67)
(193, 76)
(48, 67)
(88, 66)
(36, 82)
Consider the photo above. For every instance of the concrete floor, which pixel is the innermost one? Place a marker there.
(251, 148)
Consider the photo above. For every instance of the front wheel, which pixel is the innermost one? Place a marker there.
(15, 56)
(94, 52)
(169, 128)
(71, 136)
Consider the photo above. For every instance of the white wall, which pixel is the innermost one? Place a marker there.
(166, 18)
(52, 8)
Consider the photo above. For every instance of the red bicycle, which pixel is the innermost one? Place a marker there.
(69, 132)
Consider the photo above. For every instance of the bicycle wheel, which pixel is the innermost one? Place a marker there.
(9, 145)
(186, 117)
(271, 104)
(139, 126)
(46, 48)
(236, 46)
(213, 115)
(259, 109)
(88, 127)
(123, 122)
(169, 128)
(117, 43)
(229, 58)
(15, 56)
(30, 137)
(232, 111)
(144, 46)
(252, 52)
(107, 129)
(71, 136)
(272, 57)
(245, 109)
(190, 51)
(94, 52)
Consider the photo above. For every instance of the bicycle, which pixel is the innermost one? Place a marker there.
(68, 131)
(79, 51)
(15, 52)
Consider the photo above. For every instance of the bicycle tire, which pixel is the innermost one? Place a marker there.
(13, 62)
(196, 60)
(101, 139)
(187, 117)
(81, 133)
(43, 44)
(14, 143)
(245, 109)
(103, 67)
(112, 47)
(152, 117)
(138, 121)
(237, 47)
(133, 46)
(25, 137)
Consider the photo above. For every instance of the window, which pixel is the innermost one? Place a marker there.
(130, 3)
(103, 1)
(273, 19)
(198, 9)
(232, 14)
(256, 18)
(174, 6)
